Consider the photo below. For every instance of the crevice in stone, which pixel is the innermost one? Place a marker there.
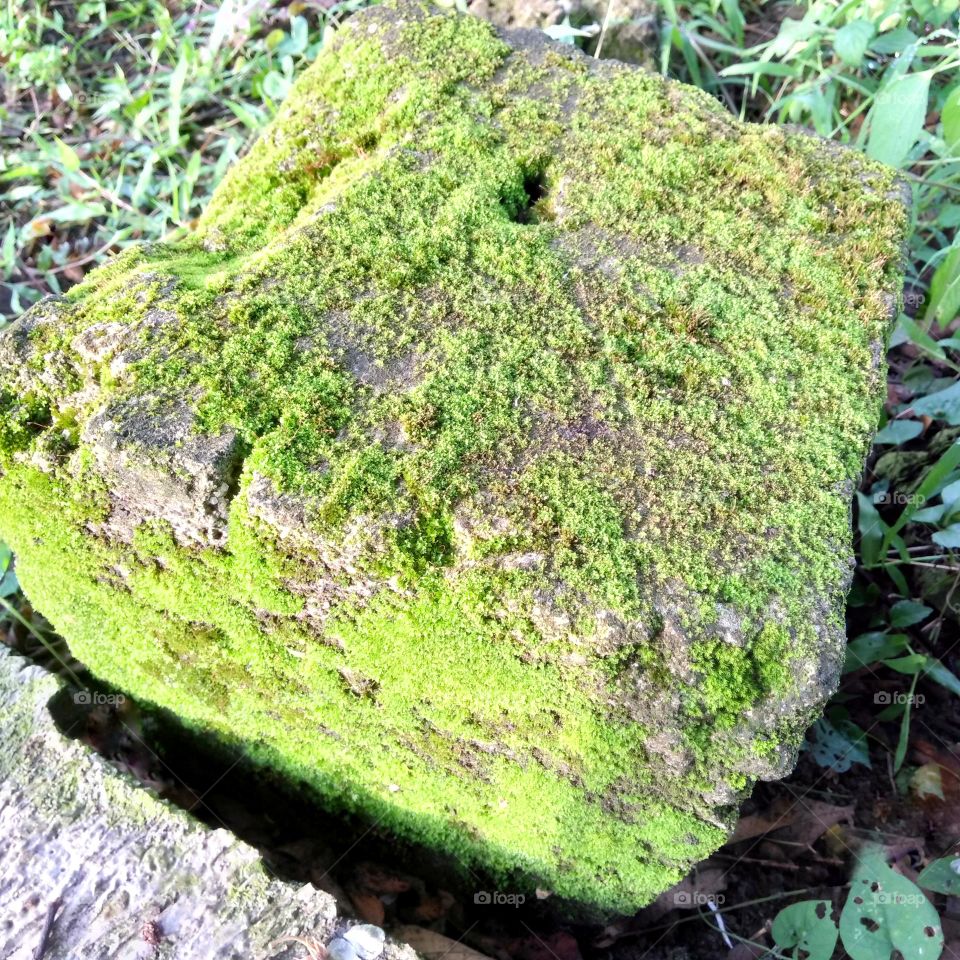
(532, 206)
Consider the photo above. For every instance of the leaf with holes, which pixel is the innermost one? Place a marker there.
(808, 927)
(886, 912)
(942, 876)
(838, 743)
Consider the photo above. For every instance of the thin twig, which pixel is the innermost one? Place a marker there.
(603, 30)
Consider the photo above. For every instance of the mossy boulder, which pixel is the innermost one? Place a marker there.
(484, 458)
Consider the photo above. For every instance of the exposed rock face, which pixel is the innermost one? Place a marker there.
(630, 33)
(485, 457)
(133, 877)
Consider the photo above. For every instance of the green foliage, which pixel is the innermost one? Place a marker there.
(836, 742)
(120, 119)
(805, 929)
(885, 915)
(942, 876)
(886, 912)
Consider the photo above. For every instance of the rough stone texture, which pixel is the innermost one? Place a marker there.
(126, 867)
(631, 30)
(485, 457)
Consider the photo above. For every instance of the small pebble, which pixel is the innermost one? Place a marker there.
(340, 949)
(367, 940)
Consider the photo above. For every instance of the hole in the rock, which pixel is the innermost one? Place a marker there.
(528, 205)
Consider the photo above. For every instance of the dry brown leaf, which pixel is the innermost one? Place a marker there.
(802, 821)
(435, 946)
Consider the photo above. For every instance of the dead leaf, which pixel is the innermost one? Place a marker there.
(802, 821)
(433, 907)
(368, 906)
(435, 946)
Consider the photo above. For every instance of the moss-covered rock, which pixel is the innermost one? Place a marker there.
(484, 458)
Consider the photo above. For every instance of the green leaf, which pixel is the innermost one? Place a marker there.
(896, 117)
(886, 912)
(935, 476)
(68, 156)
(943, 304)
(770, 69)
(296, 43)
(930, 514)
(949, 538)
(142, 186)
(808, 927)
(872, 530)
(904, 739)
(76, 212)
(838, 743)
(851, 41)
(23, 191)
(245, 115)
(942, 405)
(905, 613)
(950, 493)
(870, 647)
(942, 876)
(911, 664)
(950, 118)
(8, 254)
(894, 41)
(8, 584)
(936, 671)
(935, 12)
(177, 80)
(920, 337)
(275, 85)
(793, 37)
(899, 431)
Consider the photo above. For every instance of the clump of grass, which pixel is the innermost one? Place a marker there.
(118, 120)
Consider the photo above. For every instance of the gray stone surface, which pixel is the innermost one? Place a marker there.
(631, 25)
(135, 877)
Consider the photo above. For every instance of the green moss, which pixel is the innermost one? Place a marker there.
(737, 678)
(564, 369)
